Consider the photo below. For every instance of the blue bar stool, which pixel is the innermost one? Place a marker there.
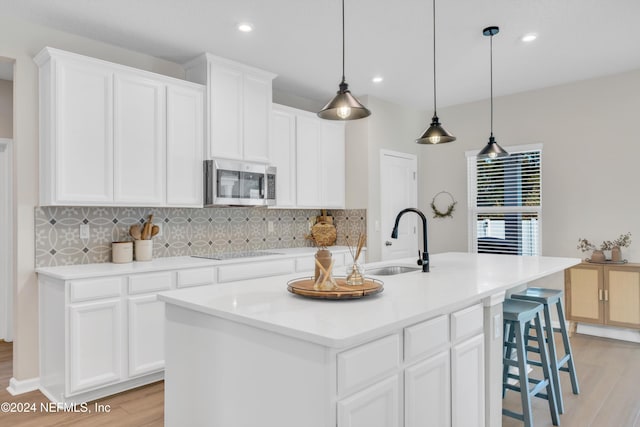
(549, 297)
(518, 315)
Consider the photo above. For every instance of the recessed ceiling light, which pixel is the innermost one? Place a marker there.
(527, 38)
(377, 79)
(245, 27)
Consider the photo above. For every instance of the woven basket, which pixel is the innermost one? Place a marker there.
(324, 234)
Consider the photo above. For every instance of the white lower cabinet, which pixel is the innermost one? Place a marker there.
(375, 406)
(467, 378)
(146, 334)
(427, 392)
(95, 338)
(442, 368)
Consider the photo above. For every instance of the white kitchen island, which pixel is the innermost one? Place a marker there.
(426, 351)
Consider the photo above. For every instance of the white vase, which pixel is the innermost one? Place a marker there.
(144, 250)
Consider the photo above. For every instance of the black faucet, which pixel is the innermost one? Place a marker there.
(425, 253)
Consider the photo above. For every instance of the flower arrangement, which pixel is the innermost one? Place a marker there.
(622, 242)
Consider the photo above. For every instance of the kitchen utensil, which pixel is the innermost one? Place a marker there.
(146, 230)
(155, 230)
(135, 231)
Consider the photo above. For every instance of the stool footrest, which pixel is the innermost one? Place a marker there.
(564, 360)
(512, 414)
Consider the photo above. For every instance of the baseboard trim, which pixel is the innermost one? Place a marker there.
(17, 387)
(631, 335)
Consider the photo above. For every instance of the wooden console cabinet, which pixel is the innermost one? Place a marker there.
(606, 294)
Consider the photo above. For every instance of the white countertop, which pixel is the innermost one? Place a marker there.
(80, 271)
(455, 280)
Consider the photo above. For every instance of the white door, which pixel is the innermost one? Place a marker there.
(467, 383)
(375, 406)
(94, 344)
(139, 140)
(146, 335)
(398, 190)
(427, 392)
(185, 137)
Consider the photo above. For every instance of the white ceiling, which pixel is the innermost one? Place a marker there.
(300, 40)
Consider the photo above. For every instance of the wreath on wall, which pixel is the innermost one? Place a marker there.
(438, 213)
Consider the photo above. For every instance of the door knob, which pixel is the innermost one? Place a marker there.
(388, 243)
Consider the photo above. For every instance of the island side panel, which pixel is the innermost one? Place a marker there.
(493, 352)
(222, 373)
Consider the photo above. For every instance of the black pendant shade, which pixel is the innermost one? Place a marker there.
(492, 150)
(435, 134)
(343, 106)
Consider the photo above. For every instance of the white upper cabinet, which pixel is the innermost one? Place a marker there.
(104, 134)
(310, 156)
(238, 107)
(139, 140)
(309, 161)
(185, 138)
(283, 154)
(76, 132)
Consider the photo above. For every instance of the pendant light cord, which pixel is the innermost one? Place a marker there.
(342, 41)
(434, 58)
(491, 77)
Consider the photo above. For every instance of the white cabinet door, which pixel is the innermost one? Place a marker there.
(146, 334)
(225, 112)
(139, 140)
(428, 392)
(375, 406)
(332, 158)
(185, 137)
(283, 156)
(77, 140)
(95, 339)
(257, 118)
(467, 382)
(308, 140)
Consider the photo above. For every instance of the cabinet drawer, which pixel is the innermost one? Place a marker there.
(144, 283)
(252, 270)
(426, 338)
(368, 363)
(84, 290)
(196, 277)
(467, 322)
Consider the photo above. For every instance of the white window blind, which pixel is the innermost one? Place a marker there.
(505, 202)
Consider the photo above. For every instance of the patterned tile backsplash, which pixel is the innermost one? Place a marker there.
(184, 231)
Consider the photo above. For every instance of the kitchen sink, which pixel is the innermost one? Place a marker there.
(391, 270)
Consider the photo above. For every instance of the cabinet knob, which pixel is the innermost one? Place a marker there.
(388, 243)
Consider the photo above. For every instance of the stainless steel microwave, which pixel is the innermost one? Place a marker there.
(234, 183)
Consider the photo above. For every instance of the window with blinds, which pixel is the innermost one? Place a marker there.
(505, 202)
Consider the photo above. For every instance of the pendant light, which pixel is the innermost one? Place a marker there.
(492, 149)
(344, 106)
(435, 134)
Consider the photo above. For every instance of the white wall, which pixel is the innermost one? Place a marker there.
(589, 130)
(391, 127)
(22, 41)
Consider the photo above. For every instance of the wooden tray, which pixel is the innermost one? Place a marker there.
(304, 287)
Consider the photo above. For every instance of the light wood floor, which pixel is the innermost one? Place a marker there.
(609, 378)
(608, 371)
